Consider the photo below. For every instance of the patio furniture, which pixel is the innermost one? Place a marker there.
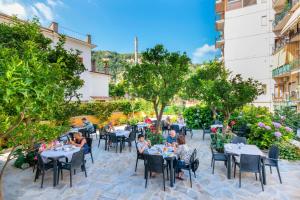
(84, 132)
(103, 136)
(272, 160)
(155, 163)
(36, 148)
(176, 128)
(89, 142)
(56, 154)
(238, 149)
(206, 130)
(189, 166)
(76, 162)
(249, 163)
(216, 156)
(115, 140)
(130, 139)
(239, 140)
(95, 130)
(188, 129)
(42, 167)
(139, 156)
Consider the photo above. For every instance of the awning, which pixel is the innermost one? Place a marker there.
(292, 21)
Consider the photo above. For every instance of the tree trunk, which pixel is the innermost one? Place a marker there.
(2, 171)
(158, 114)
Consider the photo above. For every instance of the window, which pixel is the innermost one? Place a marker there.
(249, 2)
(263, 20)
(264, 1)
(264, 89)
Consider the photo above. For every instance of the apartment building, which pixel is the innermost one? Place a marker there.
(95, 82)
(245, 39)
(286, 70)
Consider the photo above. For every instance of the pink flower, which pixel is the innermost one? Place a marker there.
(277, 134)
(268, 127)
(288, 129)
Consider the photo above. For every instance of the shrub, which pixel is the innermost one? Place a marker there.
(155, 138)
(288, 151)
(288, 117)
(173, 110)
(197, 116)
(218, 140)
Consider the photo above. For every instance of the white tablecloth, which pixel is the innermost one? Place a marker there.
(238, 149)
(55, 154)
(216, 126)
(122, 133)
(142, 125)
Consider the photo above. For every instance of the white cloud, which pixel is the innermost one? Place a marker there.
(205, 52)
(13, 8)
(45, 10)
(42, 9)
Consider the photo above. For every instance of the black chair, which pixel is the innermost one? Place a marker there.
(216, 156)
(272, 160)
(103, 136)
(95, 130)
(139, 156)
(113, 139)
(84, 132)
(176, 128)
(249, 163)
(130, 139)
(155, 163)
(36, 148)
(189, 166)
(42, 168)
(89, 142)
(187, 129)
(206, 130)
(76, 162)
(239, 140)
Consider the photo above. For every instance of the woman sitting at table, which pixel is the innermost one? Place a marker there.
(171, 139)
(183, 153)
(142, 145)
(109, 128)
(80, 141)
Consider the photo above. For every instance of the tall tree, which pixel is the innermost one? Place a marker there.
(158, 78)
(36, 80)
(212, 84)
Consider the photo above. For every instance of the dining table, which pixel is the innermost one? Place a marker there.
(231, 150)
(57, 153)
(168, 154)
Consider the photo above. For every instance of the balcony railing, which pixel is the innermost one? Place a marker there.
(281, 70)
(280, 16)
(295, 64)
(219, 41)
(220, 6)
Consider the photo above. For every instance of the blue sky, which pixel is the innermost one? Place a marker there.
(181, 25)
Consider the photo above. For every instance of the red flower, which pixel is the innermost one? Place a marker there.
(214, 130)
(232, 123)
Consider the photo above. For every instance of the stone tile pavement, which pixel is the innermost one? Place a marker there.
(112, 176)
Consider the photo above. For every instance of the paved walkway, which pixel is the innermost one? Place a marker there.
(112, 176)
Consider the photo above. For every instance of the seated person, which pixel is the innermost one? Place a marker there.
(109, 128)
(180, 119)
(171, 139)
(88, 125)
(80, 141)
(148, 120)
(142, 145)
(183, 153)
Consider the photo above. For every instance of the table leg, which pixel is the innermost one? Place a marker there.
(171, 173)
(54, 172)
(228, 166)
(264, 173)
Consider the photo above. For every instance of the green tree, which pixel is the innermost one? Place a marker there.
(212, 84)
(158, 78)
(36, 82)
(117, 90)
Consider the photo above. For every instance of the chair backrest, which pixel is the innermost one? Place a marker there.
(95, 128)
(40, 163)
(113, 137)
(89, 142)
(132, 136)
(274, 152)
(193, 156)
(84, 132)
(250, 163)
(77, 159)
(154, 163)
(237, 140)
(175, 127)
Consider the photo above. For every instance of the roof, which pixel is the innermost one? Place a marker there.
(48, 30)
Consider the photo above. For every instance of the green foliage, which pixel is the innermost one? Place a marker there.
(198, 116)
(288, 151)
(219, 139)
(158, 78)
(155, 138)
(288, 116)
(211, 83)
(117, 90)
(173, 110)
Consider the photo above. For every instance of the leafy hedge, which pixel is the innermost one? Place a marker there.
(198, 116)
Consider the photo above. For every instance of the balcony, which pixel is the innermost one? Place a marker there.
(220, 24)
(295, 65)
(220, 6)
(278, 4)
(234, 5)
(282, 18)
(281, 71)
(220, 41)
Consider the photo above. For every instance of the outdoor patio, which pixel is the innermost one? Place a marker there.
(112, 176)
